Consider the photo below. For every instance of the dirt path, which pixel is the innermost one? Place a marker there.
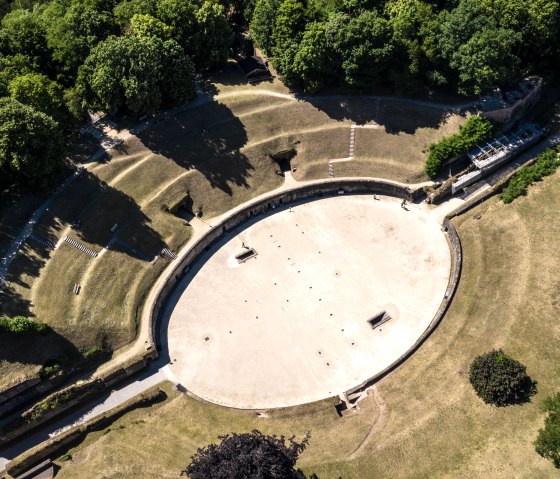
(378, 421)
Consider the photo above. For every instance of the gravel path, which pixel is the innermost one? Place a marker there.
(155, 374)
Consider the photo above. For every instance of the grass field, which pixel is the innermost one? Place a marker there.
(426, 420)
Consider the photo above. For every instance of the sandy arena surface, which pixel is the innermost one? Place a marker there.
(290, 326)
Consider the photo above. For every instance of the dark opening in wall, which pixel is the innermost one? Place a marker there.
(379, 319)
(250, 253)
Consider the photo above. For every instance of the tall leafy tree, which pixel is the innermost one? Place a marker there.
(214, 36)
(145, 25)
(180, 15)
(289, 26)
(487, 58)
(140, 73)
(11, 67)
(73, 31)
(460, 24)
(23, 33)
(542, 32)
(31, 146)
(414, 24)
(126, 9)
(312, 64)
(365, 47)
(263, 23)
(43, 94)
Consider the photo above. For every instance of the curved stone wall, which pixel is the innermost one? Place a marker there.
(317, 189)
(456, 262)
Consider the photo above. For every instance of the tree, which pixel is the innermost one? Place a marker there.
(144, 25)
(31, 147)
(23, 33)
(214, 37)
(262, 24)
(254, 455)
(414, 24)
(364, 46)
(289, 25)
(140, 73)
(72, 32)
(459, 25)
(180, 15)
(500, 380)
(487, 58)
(11, 67)
(312, 63)
(548, 439)
(38, 91)
(126, 9)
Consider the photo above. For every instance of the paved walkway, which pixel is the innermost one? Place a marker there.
(155, 374)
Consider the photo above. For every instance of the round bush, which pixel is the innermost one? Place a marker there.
(500, 380)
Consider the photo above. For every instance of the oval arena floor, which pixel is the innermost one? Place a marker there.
(298, 322)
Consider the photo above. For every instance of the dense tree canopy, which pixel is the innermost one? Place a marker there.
(465, 45)
(73, 30)
(141, 73)
(254, 455)
(23, 33)
(63, 57)
(138, 55)
(31, 149)
(214, 36)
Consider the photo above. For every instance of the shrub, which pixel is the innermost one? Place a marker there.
(548, 440)
(22, 325)
(476, 129)
(91, 352)
(51, 368)
(500, 380)
(546, 164)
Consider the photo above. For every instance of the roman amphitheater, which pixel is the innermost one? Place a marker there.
(307, 300)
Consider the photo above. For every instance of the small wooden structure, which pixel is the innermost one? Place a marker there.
(255, 68)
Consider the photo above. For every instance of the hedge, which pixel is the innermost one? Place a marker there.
(475, 130)
(545, 165)
(22, 325)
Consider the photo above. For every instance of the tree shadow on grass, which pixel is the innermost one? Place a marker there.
(12, 303)
(37, 349)
(93, 208)
(207, 138)
(98, 215)
(394, 115)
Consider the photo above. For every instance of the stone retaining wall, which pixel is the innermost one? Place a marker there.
(84, 392)
(52, 448)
